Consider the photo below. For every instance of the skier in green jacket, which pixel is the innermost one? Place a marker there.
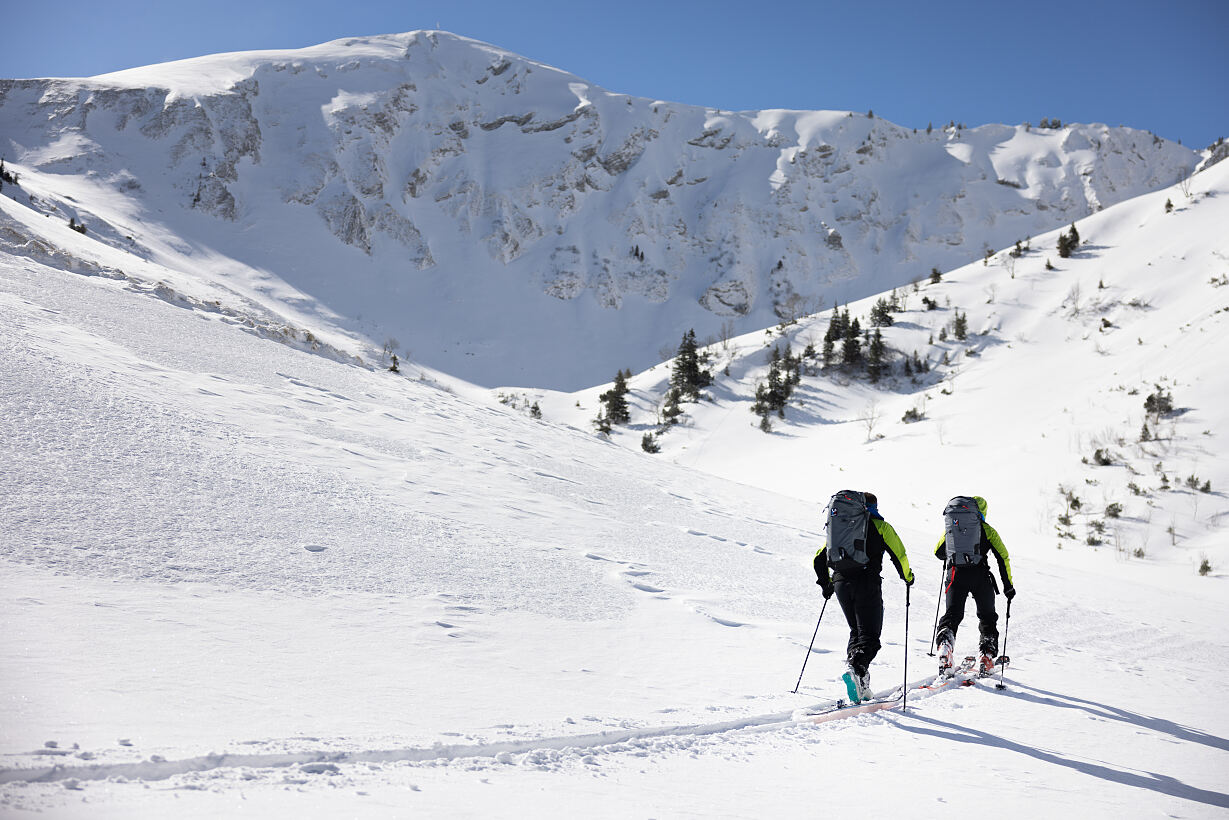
(965, 547)
(857, 584)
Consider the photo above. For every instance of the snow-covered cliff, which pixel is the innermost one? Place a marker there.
(513, 224)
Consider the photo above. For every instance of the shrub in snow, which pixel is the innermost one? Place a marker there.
(1068, 242)
(1159, 403)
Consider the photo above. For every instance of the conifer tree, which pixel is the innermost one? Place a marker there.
(671, 411)
(1068, 242)
(876, 357)
(615, 401)
(851, 347)
(881, 314)
(687, 376)
(960, 325)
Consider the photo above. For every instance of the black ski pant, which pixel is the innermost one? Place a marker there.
(959, 584)
(861, 598)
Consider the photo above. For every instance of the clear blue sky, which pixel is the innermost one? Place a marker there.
(1161, 65)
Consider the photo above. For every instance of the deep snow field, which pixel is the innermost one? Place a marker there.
(240, 577)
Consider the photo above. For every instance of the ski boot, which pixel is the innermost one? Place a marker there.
(947, 654)
(864, 686)
(985, 666)
(851, 679)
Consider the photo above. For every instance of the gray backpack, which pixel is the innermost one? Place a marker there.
(846, 528)
(962, 531)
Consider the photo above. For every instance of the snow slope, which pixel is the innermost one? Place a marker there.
(243, 575)
(512, 224)
(1057, 366)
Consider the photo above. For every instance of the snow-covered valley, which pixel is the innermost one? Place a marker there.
(247, 569)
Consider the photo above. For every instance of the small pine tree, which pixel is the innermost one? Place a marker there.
(960, 325)
(615, 400)
(1065, 245)
(648, 443)
(535, 411)
(762, 406)
(876, 358)
(394, 367)
(671, 411)
(851, 347)
(687, 376)
(1169, 206)
(881, 314)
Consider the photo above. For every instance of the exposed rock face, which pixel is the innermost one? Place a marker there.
(429, 152)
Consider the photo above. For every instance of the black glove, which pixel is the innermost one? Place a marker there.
(909, 581)
(1010, 592)
(827, 588)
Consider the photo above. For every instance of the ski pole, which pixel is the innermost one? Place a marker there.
(904, 685)
(938, 602)
(1005, 659)
(813, 634)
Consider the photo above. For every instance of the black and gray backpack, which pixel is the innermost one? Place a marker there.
(962, 531)
(848, 521)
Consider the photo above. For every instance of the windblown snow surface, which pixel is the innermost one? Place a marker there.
(244, 573)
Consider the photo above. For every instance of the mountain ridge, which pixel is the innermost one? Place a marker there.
(418, 186)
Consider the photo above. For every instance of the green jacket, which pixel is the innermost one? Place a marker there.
(990, 541)
(881, 538)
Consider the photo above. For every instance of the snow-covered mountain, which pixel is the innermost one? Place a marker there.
(510, 223)
(242, 574)
(245, 568)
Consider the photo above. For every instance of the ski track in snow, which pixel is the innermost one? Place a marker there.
(538, 752)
